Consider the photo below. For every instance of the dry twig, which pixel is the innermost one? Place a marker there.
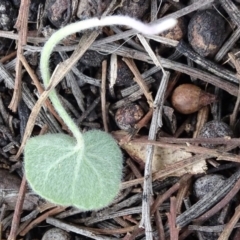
(21, 25)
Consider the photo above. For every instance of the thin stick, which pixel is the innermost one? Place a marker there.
(75, 229)
(41, 218)
(220, 155)
(134, 169)
(21, 25)
(128, 52)
(161, 198)
(233, 116)
(103, 95)
(232, 10)
(8, 57)
(144, 121)
(150, 52)
(40, 89)
(220, 204)
(182, 193)
(229, 227)
(147, 186)
(138, 78)
(159, 225)
(207, 201)
(172, 219)
(210, 66)
(18, 209)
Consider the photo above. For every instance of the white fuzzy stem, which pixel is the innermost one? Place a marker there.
(83, 25)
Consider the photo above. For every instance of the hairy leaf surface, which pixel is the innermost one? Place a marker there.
(58, 170)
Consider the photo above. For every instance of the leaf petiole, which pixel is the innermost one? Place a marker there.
(80, 26)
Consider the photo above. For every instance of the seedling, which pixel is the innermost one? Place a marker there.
(85, 170)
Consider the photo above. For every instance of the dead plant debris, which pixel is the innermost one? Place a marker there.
(181, 177)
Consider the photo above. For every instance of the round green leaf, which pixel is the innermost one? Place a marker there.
(63, 173)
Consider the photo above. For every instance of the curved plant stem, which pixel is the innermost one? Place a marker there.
(83, 25)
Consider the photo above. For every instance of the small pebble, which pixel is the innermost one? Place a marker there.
(92, 58)
(124, 75)
(56, 234)
(178, 32)
(215, 129)
(134, 8)
(58, 12)
(8, 15)
(206, 32)
(91, 8)
(127, 116)
(201, 187)
(207, 184)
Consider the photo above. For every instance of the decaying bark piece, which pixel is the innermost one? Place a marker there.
(162, 157)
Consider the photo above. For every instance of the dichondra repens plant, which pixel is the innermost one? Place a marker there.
(85, 170)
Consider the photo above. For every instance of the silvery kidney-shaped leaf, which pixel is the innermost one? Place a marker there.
(59, 171)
